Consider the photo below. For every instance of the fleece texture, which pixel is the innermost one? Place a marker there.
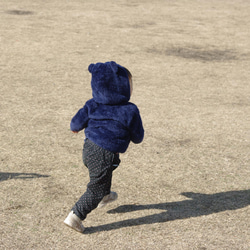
(109, 119)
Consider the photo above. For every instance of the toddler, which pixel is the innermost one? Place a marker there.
(110, 122)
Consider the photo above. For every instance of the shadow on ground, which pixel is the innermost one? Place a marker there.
(7, 176)
(197, 205)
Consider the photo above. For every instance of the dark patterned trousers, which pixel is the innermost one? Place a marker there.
(101, 163)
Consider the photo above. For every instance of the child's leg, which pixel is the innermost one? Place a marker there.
(92, 197)
(100, 165)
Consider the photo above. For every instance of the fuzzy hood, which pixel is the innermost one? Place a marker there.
(110, 83)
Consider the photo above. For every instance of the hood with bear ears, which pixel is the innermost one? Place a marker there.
(110, 83)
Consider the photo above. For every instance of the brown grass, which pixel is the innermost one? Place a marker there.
(187, 185)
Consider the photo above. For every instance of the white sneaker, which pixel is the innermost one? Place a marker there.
(107, 199)
(74, 222)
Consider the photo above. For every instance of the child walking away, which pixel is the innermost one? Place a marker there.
(110, 122)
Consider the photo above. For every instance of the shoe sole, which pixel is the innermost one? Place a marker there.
(83, 229)
(101, 205)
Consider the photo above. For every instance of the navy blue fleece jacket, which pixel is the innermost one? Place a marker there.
(109, 119)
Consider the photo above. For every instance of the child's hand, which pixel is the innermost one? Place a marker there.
(75, 132)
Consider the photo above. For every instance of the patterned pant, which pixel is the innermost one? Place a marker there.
(101, 163)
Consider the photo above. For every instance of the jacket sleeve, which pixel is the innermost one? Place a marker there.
(136, 128)
(80, 120)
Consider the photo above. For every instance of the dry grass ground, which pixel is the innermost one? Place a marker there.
(187, 185)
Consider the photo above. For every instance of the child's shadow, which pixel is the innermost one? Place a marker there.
(197, 205)
(7, 176)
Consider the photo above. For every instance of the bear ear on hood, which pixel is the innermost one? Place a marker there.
(90, 68)
(114, 66)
